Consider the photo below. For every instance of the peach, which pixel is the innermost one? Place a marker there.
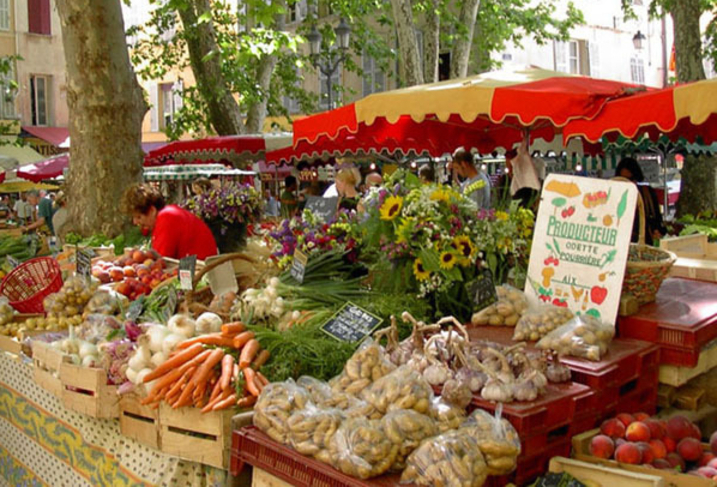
(619, 441)
(637, 431)
(662, 464)
(707, 472)
(670, 444)
(614, 428)
(625, 419)
(657, 431)
(705, 459)
(713, 442)
(104, 277)
(695, 432)
(659, 450)
(116, 274)
(142, 271)
(690, 449)
(713, 463)
(628, 453)
(138, 256)
(602, 446)
(641, 416)
(128, 271)
(675, 461)
(647, 456)
(678, 427)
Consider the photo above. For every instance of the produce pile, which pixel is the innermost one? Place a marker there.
(21, 248)
(136, 273)
(131, 238)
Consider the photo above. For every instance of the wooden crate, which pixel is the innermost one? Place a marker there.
(141, 423)
(85, 390)
(678, 376)
(46, 367)
(262, 478)
(12, 345)
(191, 435)
(696, 257)
(604, 476)
(581, 451)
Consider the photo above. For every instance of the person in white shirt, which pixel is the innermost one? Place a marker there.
(23, 210)
(525, 185)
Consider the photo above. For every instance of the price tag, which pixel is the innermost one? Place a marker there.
(135, 309)
(483, 291)
(83, 261)
(325, 208)
(351, 323)
(298, 267)
(187, 266)
(13, 261)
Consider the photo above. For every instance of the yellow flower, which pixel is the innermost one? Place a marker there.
(391, 208)
(463, 246)
(403, 231)
(448, 260)
(501, 215)
(418, 270)
(440, 195)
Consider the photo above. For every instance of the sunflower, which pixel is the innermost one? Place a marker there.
(448, 260)
(440, 194)
(391, 208)
(418, 270)
(465, 249)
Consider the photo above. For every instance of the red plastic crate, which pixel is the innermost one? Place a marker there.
(682, 320)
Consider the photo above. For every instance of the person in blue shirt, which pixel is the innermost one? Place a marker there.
(476, 184)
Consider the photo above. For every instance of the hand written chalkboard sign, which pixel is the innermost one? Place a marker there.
(298, 266)
(187, 265)
(483, 291)
(83, 262)
(351, 323)
(135, 309)
(326, 208)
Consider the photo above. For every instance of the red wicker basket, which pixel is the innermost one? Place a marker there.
(28, 284)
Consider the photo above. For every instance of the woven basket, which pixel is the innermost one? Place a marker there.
(647, 266)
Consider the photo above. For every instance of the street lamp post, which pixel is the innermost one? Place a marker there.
(332, 58)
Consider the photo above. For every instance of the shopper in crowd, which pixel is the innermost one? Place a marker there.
(426, 174)
(288, 198)
(201, 186)
(23, 210)
(176, 232)
(44, 212)
(373, 180)
(630, 169)
(525, 184)
(59, 219)
(346, 181)
(272, 205)
(475, 184)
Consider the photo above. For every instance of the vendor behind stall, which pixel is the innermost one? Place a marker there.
(176, 233)
(44, 212)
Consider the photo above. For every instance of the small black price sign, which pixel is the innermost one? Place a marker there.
(325, 208)
(13, 261)
(483, 291)
(187, 266)
(135, 309)
(298, 266)
(83, 261)
(351, 323)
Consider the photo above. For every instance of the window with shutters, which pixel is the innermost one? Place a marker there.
(39, 95)
(571, 57)
(374, 79)
(637, 71)
(297, 11)
(4, 14)
(170, 101)
(38, 12)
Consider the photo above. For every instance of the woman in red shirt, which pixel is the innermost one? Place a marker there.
(176, 232)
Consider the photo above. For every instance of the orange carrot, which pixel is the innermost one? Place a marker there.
(261, 359)
(225, 403)
(175, 361)
(264, 381)
(212, 402)
(186, 397)
(216, 391)
(231, 329)
(248, 353)
(209, 339)
(247, 401)
(250, 380)
(235, 372)
(205, 369)
(242, 338)
(227, 369)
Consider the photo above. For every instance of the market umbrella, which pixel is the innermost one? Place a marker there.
(495, 108)
(235, 149)
(50, 168)
(17, 186)
(686, 111)
(176, 172)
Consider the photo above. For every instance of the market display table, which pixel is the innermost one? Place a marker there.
(42, 443)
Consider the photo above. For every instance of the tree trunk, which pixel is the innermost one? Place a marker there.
(699, 180)
(461, 54)
(106, 107)
(688, 41)
(224, 112)
(407, 43)
(431, 43)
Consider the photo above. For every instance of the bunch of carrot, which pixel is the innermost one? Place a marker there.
(213, 371)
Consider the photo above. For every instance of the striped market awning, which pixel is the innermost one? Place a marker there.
(179, 172)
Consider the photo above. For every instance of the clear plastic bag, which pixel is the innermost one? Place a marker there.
(496, 438)
(368, 364)
(404, 388)
(96, 328)
(6, 311)
(408, 429)
(275, 405)
(510, 306)
(583, 336)
(322, 394)
(451, 460)
(540, 320)
(222, 304)
(107, 302)
(310, 430)
(447, 416)
(360, 448)
(71, 299)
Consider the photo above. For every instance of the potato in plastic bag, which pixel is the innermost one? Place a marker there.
(447, 416)
(275, 405)
(360, 448)
(322, 394)
(541, 320)
(96, 328)
(71, 299)
(451, 459)
(583, 336)
(404, 388)
(496, 438)
(510, 306)
(368, 364)
(6, 311)
(310, 430)
(407, 428)
(107, 302)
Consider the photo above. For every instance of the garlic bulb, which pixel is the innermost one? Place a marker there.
(182, 325)
(208, 323)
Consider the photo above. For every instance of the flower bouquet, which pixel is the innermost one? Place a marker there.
(228, 211)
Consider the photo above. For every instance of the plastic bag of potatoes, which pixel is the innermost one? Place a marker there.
(407, 429)
(360, 448)
(275, 405)
(404, 388)
(311, 429)
(368, 364)
(496, 438)
(510, 306)
(322, 395)
(6, 311)
(540, 320)
(451, 459)
(447, 416)
(583, 336)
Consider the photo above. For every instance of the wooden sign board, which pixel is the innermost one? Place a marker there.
(83, 259)
(351, 323)
(581, 244)
(298, 266)
(483, 291)
(326, 208)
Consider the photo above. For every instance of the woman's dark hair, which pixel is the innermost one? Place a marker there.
(426, 172)
(139, 198)
(633, 166)
(289, 181)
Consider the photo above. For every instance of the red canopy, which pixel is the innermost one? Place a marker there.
(47, 169)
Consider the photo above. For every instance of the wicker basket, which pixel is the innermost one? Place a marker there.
(647, 266)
